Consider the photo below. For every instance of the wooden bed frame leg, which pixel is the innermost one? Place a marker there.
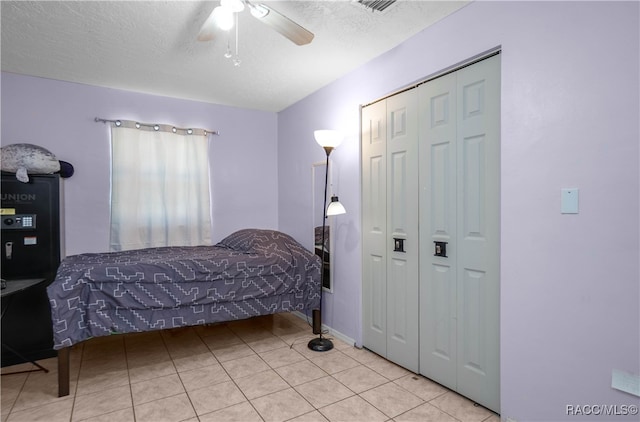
(63, 371)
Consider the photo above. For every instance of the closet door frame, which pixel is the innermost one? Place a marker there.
(460, 358)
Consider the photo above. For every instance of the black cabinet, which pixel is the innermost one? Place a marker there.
(29, 248)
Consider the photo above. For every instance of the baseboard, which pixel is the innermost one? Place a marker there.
(335, 333)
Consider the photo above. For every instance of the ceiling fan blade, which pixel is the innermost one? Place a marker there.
(208, 29)
(281, 23)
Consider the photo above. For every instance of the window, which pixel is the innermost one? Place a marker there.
(159, 188)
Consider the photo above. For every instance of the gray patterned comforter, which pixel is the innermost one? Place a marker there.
(252, 272)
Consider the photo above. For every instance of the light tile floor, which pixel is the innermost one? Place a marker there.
(253, 370)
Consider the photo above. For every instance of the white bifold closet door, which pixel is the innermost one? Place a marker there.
(460, 205)
(390, 160)
(374, 227)
(431, 172)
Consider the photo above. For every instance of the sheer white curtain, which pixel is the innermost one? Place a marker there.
(159, 189)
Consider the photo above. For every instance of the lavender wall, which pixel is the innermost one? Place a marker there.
(60, 117)
(570, 284)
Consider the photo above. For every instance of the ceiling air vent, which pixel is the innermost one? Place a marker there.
(376, 5)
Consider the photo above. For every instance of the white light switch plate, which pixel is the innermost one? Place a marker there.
(569, 202)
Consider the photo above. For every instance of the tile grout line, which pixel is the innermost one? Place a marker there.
(229, 375)
(315, 409)
(294, 387)
(402, 388)
(245, 335)
(126, 358)
(18, 395)
(290, 386)
(177, 373)
(332, 377)
(75, 390)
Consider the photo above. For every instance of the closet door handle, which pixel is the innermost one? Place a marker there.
(398, 245)
(440, 248)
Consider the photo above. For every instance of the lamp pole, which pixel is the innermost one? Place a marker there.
(320, 344)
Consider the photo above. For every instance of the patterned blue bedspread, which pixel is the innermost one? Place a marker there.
(251, 272)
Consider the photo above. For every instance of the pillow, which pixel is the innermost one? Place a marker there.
(23, 159)
(242, 240)
(261, 241)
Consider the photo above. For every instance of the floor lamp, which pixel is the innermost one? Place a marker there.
(327, 139)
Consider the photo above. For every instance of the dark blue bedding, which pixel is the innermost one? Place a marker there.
(251, 272)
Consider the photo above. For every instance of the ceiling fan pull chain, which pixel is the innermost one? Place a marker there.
(228, 53)
(236, 60)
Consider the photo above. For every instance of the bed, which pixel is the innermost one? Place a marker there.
(252, 272)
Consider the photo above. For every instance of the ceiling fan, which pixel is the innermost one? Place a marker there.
(222, 17)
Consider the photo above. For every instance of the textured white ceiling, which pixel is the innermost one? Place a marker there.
(151, 46)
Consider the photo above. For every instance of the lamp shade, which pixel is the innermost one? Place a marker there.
(335, 207)
(328, 138)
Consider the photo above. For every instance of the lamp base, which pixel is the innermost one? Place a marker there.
(320, 344)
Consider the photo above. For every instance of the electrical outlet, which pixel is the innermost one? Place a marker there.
(511, 420)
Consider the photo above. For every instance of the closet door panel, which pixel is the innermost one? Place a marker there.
(437, 183)
(473, 351)
(399, 327)
(374, 223)
(402, 223)
(478, 161)
(377, 296)
(441, 198)
(438, 353)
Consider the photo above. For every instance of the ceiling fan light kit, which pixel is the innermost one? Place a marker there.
(234, 6)
(258, 11)
(223, 17)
